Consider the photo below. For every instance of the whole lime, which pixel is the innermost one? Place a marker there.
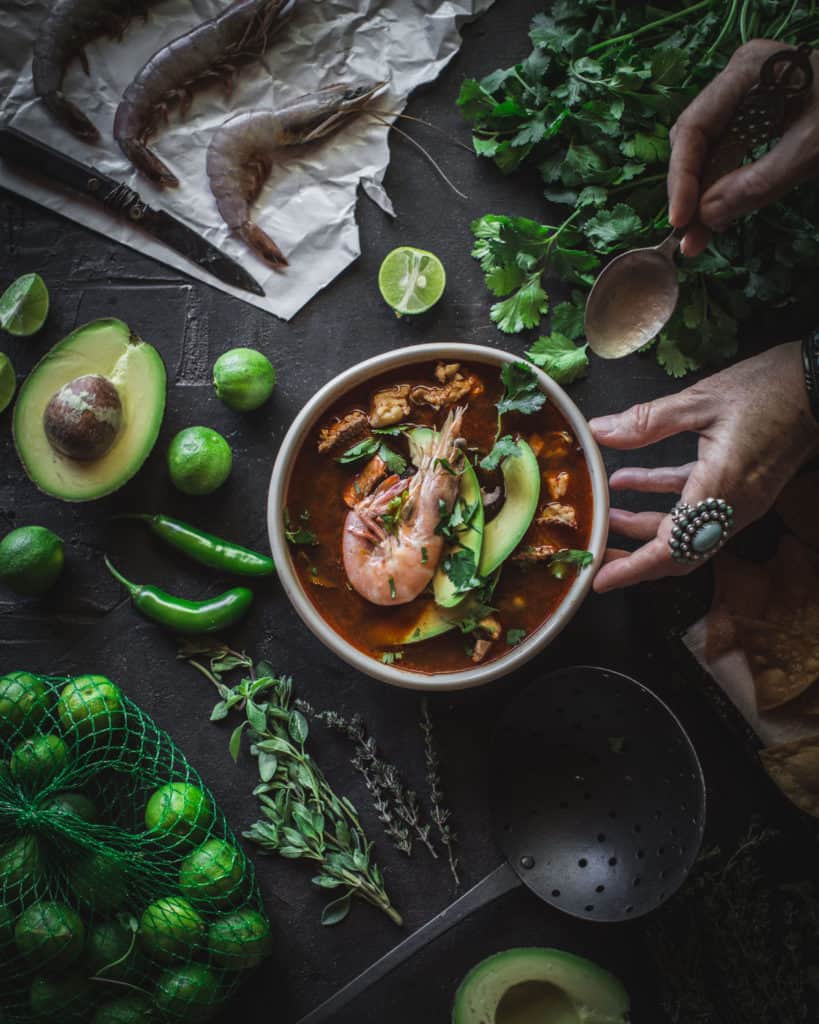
(76, 804)
(179, 811)
(24, 700)
(99, 881)
(214, 871)
(199, 460)
(130, 1009)
(109, 951)
(49, 935)
(38, 760)
(244, 378)
(60, 997)
(240, 940)
(91, 705)
(170, 928)
(188, 994)
(31, 559)
(22, 868)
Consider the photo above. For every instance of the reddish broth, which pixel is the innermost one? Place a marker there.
(525, 597)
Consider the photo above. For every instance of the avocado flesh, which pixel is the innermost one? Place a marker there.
(521, 485)
(539, 986)
(469, 492)
(108, 348)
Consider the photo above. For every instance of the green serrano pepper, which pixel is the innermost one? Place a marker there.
(187, 616)
(205, 548)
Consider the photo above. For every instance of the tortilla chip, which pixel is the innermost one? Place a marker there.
(794, 767)
(740, 588)
(798, 505)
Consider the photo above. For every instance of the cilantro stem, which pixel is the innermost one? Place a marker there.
(627, 36)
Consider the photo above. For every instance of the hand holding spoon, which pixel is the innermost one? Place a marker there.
(634, 297)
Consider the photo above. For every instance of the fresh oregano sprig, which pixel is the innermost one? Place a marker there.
(397, 807)
(302, 818)
(440, 813)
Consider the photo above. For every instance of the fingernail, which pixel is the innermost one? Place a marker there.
(603, 425)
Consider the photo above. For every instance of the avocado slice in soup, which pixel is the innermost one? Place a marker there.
(540, 986)
(471, 538)
(521, 485)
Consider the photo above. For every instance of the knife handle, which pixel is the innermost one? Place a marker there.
(40, 159)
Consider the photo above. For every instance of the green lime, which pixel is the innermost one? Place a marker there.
(214, 871)
(411, 280)
(31, 559)
(130, 1009)
(21, 870)
(50, 934)
(24, 700)
(99, 882)
(91, 705)
(171, 928)
(199, 460)
(77, 804)
(8, 381)
(109, 951)
(61, 997)
(178, 811)
(244, 378)
(188, 994)
(240, 940)
(24, 305)
(39, 760)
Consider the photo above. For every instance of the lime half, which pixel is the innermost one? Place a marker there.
(24, 305)
(8, 381)
(411, 280)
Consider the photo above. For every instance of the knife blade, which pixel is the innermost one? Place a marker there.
(120, 200)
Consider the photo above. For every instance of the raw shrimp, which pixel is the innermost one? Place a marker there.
(212, 50)
(66, 30)
(243, 150)
(392, 565)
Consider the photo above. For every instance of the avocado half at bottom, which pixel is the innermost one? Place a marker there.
(539, 986)
(110, 349)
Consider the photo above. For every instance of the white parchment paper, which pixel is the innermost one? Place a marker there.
(308, 206)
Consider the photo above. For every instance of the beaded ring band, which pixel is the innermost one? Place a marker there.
(699, 531)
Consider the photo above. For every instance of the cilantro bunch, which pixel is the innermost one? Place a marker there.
(592, 106)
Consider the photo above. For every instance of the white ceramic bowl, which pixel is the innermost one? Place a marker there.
(314, 410)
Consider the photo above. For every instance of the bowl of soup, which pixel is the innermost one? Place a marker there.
(437, 513)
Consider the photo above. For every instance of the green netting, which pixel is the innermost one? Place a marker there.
(124, 895)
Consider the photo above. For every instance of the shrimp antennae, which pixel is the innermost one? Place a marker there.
(426, 153)
(427, 124)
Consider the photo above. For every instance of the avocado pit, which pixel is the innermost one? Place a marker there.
(82, 420)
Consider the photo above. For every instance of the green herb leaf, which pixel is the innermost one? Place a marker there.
(514, 636)
(394, 462)
(564, 361)
(335, 912)
(609, 227)
(391, 582)
(561, 560)
(461, 568)
(235, 743)
(502, 448)
(521, 390)
(369, 446)
(390, 657)
(522, 309)
(299, 534)
(268, 763)
(298, 727)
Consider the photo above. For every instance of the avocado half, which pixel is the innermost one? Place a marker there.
(110, 349)
(533, 985)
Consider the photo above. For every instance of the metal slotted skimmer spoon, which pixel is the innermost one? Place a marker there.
(634, 296)
(598, 803)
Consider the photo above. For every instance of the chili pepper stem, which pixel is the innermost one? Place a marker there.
(132, 588)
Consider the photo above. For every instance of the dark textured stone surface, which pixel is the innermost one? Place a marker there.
(87, 626)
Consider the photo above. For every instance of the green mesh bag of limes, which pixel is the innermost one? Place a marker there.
(124, 896)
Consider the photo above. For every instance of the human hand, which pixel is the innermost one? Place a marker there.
(755, 431)
(792, 160)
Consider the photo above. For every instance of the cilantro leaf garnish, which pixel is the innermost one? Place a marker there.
(299, 534)
(560, 561)
(521, 390)
(461, 568)
(369, 446)
(394, 462)
(564, 361)
(514, 636)
(503, 447)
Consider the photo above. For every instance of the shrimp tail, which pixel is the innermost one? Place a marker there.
(70, 115)
(263, 244)
(145, 160)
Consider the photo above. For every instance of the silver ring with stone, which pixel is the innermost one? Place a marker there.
(699, 531)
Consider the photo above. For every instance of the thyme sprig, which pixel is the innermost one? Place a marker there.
(398, 808)
(440, 813)
(302, 818)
